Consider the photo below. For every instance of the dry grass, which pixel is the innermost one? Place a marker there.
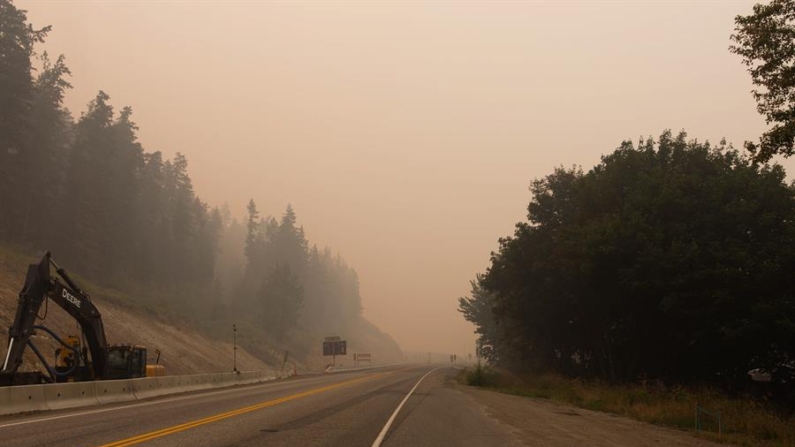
(744, 421)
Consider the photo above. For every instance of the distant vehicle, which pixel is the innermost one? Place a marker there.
(91, 360)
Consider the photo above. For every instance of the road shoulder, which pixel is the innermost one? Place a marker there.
(440, 415)
(539, 422)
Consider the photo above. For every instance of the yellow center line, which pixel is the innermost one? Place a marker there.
(188, 425)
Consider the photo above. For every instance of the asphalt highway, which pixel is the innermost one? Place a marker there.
(348, 409)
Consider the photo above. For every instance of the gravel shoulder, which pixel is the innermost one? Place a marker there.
(541, 423)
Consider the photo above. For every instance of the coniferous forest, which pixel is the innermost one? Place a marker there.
(85, 188)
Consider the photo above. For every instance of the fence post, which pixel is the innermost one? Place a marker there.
(697, 427)
(716, 416)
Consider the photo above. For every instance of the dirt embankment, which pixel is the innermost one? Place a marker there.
(184, 350)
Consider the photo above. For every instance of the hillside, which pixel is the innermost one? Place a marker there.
(186, 349)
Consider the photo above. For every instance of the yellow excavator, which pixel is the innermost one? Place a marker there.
(93, 359)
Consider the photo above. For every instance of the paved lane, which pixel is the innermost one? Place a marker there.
(329, 410)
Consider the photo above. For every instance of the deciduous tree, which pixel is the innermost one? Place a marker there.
(766, 42)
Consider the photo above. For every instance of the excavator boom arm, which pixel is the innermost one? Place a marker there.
(39, 285)
(30, 300)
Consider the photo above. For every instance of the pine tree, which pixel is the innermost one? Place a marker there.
(86, 197)
(51, 136)
(17, 40)
(252, 236)
(281, 297)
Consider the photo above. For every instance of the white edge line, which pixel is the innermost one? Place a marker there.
(382, 435)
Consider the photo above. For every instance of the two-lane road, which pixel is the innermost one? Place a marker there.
(349, 409)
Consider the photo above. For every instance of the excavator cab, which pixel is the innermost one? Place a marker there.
(123, 362)
(126, 362)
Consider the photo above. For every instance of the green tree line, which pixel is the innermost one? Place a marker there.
(670, 259)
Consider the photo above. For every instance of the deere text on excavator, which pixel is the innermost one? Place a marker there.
(95, 360)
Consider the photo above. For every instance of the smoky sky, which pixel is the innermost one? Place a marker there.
(404, 134)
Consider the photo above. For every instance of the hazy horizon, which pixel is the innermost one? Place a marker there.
(405, 136)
